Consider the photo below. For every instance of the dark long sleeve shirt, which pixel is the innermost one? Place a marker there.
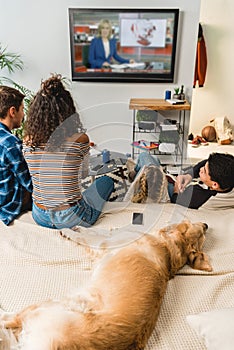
(194, 196)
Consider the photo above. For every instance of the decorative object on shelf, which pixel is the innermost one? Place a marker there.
(176, 101)
(182, 94)
(191, 137)
(209, 133)
(147, 126)
(167, 94)
(105, 156)
(145, 145)
(147, 115)
(198, 141)
(166, 147)
(223, 129)
(169, 136)
(147, 119)
(176, 94)
(169, 121)
(167, 127)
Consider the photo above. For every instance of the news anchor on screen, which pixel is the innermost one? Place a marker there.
(102, 51)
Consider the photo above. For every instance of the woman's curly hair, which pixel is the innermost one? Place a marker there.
(50, 108)
(150, 186)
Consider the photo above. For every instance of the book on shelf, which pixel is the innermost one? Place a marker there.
(176, 101)
(167, 127)
(147, 145)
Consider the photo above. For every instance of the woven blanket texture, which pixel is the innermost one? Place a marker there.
(37, 263)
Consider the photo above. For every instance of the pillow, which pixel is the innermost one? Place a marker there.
(220, 201)
(216, 327)
(162, 193)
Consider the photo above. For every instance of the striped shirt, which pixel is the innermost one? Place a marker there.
(14, 175)
(56, 175)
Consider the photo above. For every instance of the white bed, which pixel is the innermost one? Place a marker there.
(38, 263)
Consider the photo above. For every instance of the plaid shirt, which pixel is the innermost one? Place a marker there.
(14, 175)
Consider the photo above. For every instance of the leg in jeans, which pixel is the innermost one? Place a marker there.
(145, 158)
(85, 213)
(99, 192)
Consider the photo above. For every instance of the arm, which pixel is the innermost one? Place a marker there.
(191, 196)
(96, 59)
(85, 166)
(84, 140)
(19, 166)
(114, 54)
(185, 179)
(181, 182)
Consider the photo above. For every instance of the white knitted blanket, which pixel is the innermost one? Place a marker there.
(38, 263)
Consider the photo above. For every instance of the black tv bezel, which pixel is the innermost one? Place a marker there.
(125, 77)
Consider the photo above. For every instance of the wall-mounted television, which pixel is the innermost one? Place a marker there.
(141, 45)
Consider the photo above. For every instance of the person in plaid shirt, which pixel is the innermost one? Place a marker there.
(15, 179)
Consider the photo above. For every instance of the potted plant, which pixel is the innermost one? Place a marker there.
(176, 93)
(12, 62)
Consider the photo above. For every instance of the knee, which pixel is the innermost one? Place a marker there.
(142, 156)
(107, 181)
(110, 182)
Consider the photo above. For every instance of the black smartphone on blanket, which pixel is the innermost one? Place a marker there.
(137, 218)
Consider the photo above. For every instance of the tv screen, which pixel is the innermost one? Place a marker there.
(123, 45)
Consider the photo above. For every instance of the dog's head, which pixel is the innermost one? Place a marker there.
(190, 237)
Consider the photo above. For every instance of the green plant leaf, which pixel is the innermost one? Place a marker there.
(12, 62)
(9, 60)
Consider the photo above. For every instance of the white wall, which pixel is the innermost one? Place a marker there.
(216, 97)
(39, 32)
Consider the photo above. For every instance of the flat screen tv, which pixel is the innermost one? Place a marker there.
(142, 44)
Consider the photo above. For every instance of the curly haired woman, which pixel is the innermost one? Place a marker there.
(57, 150)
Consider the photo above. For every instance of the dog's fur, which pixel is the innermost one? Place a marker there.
(120, 307)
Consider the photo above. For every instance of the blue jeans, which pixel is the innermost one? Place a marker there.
(146, 159)
(84, 213)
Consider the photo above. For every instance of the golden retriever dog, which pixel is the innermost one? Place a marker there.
(118, 310)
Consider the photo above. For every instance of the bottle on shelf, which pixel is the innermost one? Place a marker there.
(182, 94)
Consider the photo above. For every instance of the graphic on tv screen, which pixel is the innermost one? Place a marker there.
(123, 45)
(142, 32)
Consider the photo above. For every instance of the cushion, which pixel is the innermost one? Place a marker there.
(163, 196)
(215, 328)
(220, 201)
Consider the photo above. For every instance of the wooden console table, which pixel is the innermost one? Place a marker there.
(160, 105)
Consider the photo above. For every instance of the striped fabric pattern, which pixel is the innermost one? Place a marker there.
(56, 174)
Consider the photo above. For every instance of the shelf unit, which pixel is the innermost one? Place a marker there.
(179, 112)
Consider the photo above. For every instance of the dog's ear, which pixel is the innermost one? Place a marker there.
(199, 261)
(183, 226)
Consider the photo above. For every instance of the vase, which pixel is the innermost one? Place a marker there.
(176, 96)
